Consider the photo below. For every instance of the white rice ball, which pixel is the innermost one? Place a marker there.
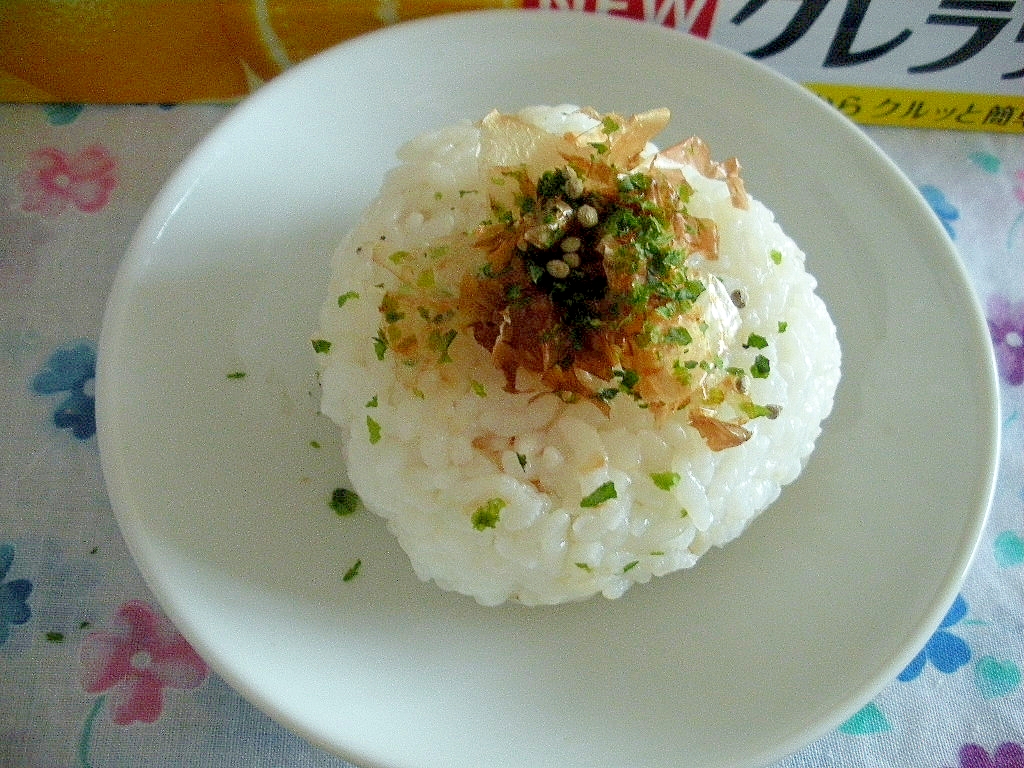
(491, 493)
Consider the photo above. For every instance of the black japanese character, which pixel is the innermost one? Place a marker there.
(806, 15)
(915, 110)
(840, 52)
(944, 113)
(1000, 115)
(985, 30)
(964, 116)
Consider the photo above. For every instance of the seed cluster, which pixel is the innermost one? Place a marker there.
(561, 247)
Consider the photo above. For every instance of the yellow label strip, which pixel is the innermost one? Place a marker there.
(925, 109)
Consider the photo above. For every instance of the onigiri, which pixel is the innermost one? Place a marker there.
(564, 361)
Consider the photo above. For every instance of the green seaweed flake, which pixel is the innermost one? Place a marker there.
(343, 501)
(344, 298)
(599, 495)
(353, 571)
(373, 429)
(487, 515)
(665, 480)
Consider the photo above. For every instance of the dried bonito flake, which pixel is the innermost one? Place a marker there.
(592, 277)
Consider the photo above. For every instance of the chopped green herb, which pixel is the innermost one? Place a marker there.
(343, 501)
(681, 373)
(599, 495)
(352, 572)
(630, 566)
(506, 217)
(521, 458)
(84, 624)
(756, 341)
(372, 402)
(754, 411)
(488, 515)
(526, 204)
(343, 299)
(380, 345)
(776, 256)
(684, 512)
(390, 309)
(609, 125)
(679, 336)
(55, 637)
(635, 182)
(321, 346)
(584, 567)
(314, 444)
(601, 147)
(236, 375)
(374, 430)
(478, 389)
(694, 289)
(551, 183)
(426, 279)
(440, 342)
(629, 378)
(665, 480)
(761, 367)
(783, 325)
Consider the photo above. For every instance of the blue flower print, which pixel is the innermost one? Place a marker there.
(945, 650)
(13, 596)
(70, 368)
(945, 210)
(62, 114)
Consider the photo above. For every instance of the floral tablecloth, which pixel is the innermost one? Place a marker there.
(92, 674)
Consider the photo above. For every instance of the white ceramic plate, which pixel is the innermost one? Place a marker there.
(758, 650)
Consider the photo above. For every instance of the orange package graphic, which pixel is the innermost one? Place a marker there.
(124, 51)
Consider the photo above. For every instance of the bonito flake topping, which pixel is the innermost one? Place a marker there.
(593, 277)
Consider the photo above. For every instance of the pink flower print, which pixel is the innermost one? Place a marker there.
(135, 660)
(1006, 326)
(1006, 755)
(53, 180)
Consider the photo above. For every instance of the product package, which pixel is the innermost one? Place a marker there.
(942, 64)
